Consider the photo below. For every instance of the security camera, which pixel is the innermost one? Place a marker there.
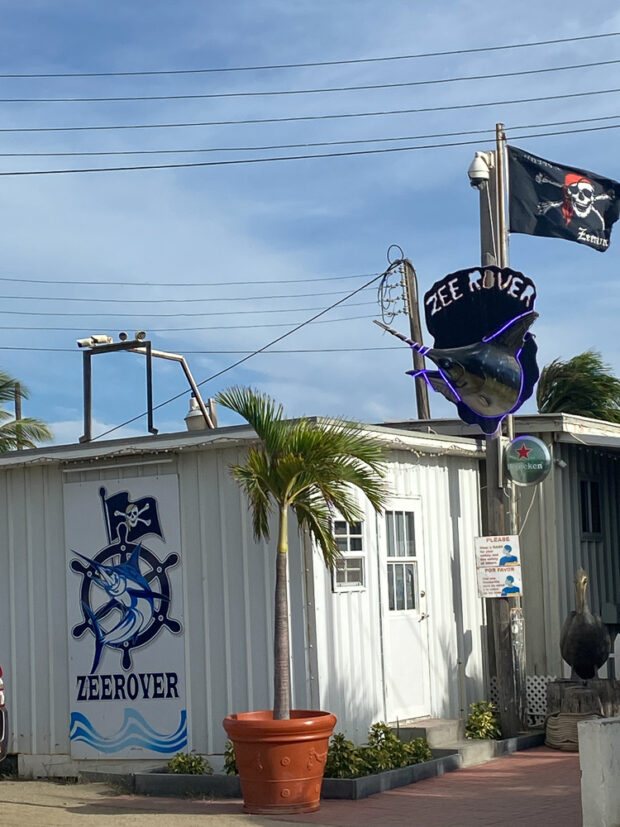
(140, 335)
(560, 463)
(479, 169)
(123, 336)
(95, 339)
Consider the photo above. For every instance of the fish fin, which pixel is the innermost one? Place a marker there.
(511, 335)
(437, 383)
(147, 593)
(134, 560)
(99, 644)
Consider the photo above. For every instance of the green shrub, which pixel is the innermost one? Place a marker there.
(230, 762)
(343, 760)
(384, 751)
(190, 763)
(482, 722)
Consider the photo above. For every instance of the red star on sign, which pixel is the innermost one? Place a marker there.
(523, 451)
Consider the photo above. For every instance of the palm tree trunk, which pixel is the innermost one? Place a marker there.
(282, 675)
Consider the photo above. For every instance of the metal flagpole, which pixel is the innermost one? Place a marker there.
(500, 609)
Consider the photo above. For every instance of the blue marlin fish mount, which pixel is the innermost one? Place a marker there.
(485, 355)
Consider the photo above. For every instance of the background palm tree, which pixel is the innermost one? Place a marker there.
(583, 385)
(25, 432)
(311, 467)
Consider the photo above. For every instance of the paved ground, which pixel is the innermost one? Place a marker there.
(537, 787)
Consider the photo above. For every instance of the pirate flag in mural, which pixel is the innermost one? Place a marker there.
(484, 353)
(561, 202)
(139, 517)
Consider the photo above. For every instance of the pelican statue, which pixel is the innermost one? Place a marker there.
(584, 643)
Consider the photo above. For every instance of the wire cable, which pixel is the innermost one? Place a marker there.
(219, 352)
(475, 50)
(107, 283)
(185, 329)
(173, 301)
(332, 89)
(305, 144)
(169, 315)
(291, 119)
(241, 161)
(256, 352)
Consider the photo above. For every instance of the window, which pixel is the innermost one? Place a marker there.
(590, 507)
(402, 566)
(349, 568)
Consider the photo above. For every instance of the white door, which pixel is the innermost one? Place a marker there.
(405, 612)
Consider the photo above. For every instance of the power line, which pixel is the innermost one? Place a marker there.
(249, 356)
(309, 64)
(266, 147)
(169, 315)
(222, 352)
(291, 119)
(257, 148)
(185, 329)
(240, 161)
(125, 283)
(174, 301)
(332, 89)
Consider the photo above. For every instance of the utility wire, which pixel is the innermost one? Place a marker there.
(125, 283)
(169, 315)
(305, 144)
(331, 89)
(240, 161)
(309, 64)
(258, 148)
(174, 301)
(222, 352)
(245, 358)
(291, 119)
(185, 329)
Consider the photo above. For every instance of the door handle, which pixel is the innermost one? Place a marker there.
(423, 616)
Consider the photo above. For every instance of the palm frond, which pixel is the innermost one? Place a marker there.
(583, 385)
(25, 432)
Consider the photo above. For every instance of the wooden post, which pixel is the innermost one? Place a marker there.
(18, 415)
(413, 309)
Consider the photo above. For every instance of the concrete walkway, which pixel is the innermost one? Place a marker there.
(537, 787)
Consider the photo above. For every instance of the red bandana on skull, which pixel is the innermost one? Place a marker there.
(573, 184)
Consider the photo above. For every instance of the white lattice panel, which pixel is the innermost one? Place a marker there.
(536, 696)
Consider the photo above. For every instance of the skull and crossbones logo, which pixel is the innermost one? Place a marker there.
(578, 198)
(132, 515)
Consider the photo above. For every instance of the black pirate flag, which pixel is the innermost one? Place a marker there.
(560, 202)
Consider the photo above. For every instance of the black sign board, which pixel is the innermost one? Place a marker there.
(486, 357)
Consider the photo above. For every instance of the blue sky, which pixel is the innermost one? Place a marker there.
(286, 222)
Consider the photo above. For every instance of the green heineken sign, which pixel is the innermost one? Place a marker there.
(528, 460)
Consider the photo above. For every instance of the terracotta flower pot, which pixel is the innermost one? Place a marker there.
(280, 763)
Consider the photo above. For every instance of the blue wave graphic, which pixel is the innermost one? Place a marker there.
(134, 732)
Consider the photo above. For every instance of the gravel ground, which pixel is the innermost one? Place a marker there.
(50, 804)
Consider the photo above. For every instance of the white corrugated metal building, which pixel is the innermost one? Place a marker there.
(569, 520)
(396, 632)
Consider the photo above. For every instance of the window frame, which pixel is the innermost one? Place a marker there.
(590, 510)
(408, 536)
(350, 554)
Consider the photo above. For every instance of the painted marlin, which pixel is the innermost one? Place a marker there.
(129, 593)
(485, 376)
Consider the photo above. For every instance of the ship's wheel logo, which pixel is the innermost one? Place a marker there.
(125, 596)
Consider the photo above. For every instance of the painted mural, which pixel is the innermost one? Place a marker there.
(125, 610)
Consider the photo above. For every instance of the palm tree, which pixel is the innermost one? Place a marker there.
(22, 433)
(311, 467)
(583, 385)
